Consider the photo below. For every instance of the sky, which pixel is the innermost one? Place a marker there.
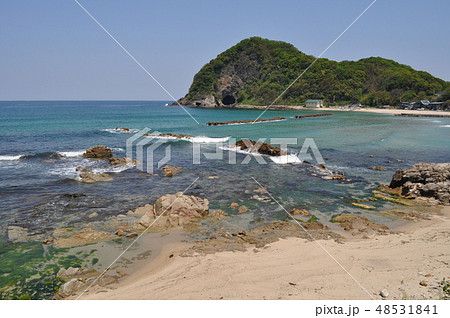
(52, 50)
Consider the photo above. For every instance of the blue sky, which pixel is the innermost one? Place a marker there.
(50, 49)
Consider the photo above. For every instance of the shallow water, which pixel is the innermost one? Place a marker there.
(42, 142)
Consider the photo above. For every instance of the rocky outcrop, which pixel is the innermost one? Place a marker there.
(98, 152)
(170, 135)
(16, 233)
(245, 121)
(259, 147)
(82, 237)
(358, 225)
(170, 171)
(424, 180)
(175, 210)
(123, 161)
(90, 177)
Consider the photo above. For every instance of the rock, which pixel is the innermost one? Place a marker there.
(98, 152)
(384, 293)
(123, 161)
(132, 234)
(81, 169)
(182, 205)
(217, 215)
(146, 220)
(70, 272)
(243, 209)
(302, 212)
(259, 147)
(170, 171)
(424, 180)
(260, 190)
(322, 167)
(234, 205)
(358, 224)
(410, 215)
(47, 241)
(123, 129)
(16, 233)
(146, 209)
(120, 233)
(363, 206)
(170, 136)
(82, 237)
(72, 286)
(95, 177)
(332, 177)
(93, 215)
(379, 168)
(423, 283)
(213, 177)
(245, 121)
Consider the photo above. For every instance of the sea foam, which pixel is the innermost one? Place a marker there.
(10, 157)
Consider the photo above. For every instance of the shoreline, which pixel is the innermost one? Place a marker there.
(295, 268)
(363, 110)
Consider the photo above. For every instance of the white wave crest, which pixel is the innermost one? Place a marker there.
(9, 158)
(71, 154)
(193, 139)
(285, 159)
(118, 149)
(114, 169)
(446, 126)
(277, 159)
(120, 131)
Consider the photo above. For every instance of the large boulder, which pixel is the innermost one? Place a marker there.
(181, 205)
(98, 152)
(260, 147)
(429, 180)
(173, 210)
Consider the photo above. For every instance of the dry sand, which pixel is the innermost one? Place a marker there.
(294, 268)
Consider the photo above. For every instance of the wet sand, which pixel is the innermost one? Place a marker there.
(295, 268)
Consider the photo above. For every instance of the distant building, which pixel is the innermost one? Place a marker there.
(314, 103)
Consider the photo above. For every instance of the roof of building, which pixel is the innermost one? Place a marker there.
(313, 100)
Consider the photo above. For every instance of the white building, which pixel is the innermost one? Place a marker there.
(314, 103)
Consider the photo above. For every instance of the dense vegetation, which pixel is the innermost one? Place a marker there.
(265, 68)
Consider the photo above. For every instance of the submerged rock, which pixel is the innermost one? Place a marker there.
(358, 225)
(82, 237)
(90, 177)
(426, 180)
(16, 233)
(98, 152)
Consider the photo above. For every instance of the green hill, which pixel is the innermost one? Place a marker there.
(255, 71)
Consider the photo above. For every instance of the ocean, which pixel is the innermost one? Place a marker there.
(42, 143)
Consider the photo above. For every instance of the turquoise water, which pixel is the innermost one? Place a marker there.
(32, 188)
(41, 145)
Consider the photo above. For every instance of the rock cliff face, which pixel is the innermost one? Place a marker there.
(256, 71)
(430, 180)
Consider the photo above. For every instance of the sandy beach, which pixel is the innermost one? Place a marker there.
(346, 109)
(409, 265)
